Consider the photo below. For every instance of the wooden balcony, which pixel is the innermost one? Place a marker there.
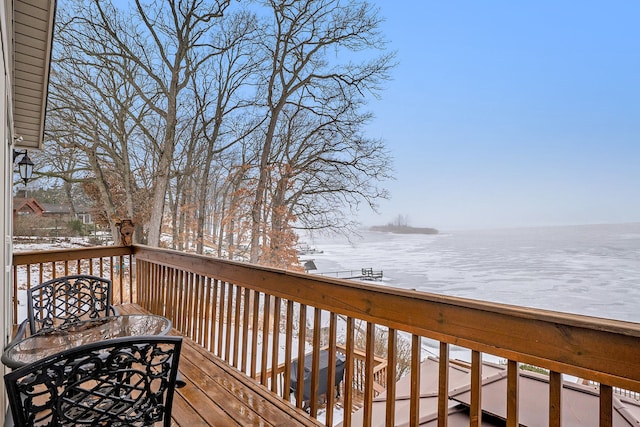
(250, 320)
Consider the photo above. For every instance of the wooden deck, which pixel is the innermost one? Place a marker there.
(218, 395)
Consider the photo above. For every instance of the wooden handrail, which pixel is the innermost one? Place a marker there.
(72, 254)
(231, 308)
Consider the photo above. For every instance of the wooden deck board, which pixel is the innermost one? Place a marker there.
(217, 394)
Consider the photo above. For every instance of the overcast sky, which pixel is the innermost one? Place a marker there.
(504, 113)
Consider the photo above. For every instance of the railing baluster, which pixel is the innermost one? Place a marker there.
(443, 385)
(512, 393)
(228, 322)
(265, 339)
(302, 332)
(121, 273)
(348, 372)
(214, 316)
(555, 399)
(111, 268)
(170, 281)
(206, 312)
(606, 406)
(141, 280)
(226, 300)
(476, 389)
(154, 270)
(197, 302)
(149, 288)
(165, 294)
(254, 334)
(392, 338)
(129, 281)
(153, 304)
(188, 313)
(331, 371)
(277, 306)
(236, 327)
(245, 329)
(414, 405)
(315, 369)
(158, 304)
(178, 285)
(221, 308)
(288, 349)
(368, 377)
(198, 309)
(144, 281)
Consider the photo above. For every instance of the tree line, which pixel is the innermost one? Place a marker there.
(218, 124)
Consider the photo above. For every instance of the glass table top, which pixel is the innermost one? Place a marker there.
(52, 341)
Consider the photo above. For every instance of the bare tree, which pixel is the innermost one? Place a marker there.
(221, 109)
(90, 110)
(168, 47)
(323, 163)
(245, 129)
(301, 75)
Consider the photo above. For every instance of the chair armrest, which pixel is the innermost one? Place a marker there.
(20, 333)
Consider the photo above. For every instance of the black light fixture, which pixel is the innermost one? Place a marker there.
(25, 165)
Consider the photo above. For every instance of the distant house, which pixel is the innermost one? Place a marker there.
(53, 210)
(27, 206)
(61, 213)
(580, 403)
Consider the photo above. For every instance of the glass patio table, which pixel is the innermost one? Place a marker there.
(52, 341)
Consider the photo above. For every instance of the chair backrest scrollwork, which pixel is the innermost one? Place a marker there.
(68, 299)
(120, 382)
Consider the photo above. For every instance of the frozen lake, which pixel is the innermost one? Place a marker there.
(591, 269)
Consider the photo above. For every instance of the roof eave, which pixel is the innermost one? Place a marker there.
(33, 23)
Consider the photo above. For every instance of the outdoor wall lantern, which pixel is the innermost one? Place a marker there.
(25, 165)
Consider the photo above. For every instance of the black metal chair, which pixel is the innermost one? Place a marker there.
(120, 382)
(66, 300)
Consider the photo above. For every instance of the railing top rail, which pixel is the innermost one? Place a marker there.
(36, 257)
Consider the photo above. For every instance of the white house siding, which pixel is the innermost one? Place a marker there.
(5, 196)
(24, 69)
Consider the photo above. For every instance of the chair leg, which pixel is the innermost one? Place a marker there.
(180, 382)
(8, 419)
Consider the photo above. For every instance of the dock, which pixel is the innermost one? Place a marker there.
(362, 274)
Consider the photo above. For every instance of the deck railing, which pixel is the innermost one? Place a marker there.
(112, 262)
(259, 319)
